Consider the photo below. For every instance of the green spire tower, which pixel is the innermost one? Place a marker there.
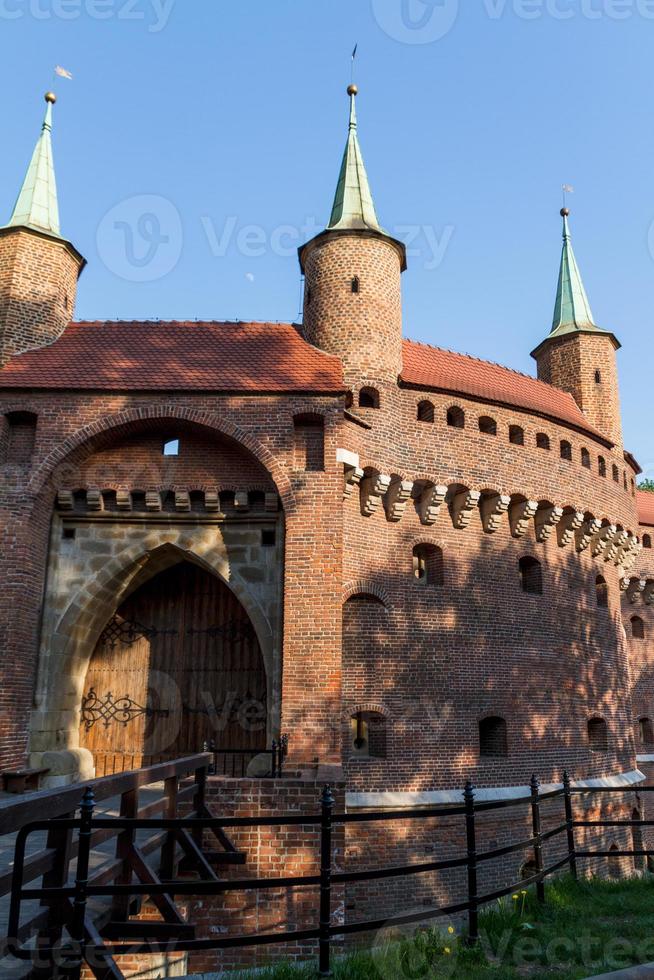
(37, 205)
(38, 268)
(353, 205)
(577, 355)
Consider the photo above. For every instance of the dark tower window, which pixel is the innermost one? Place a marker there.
(368, 398)
(601, 465)
(456, 417)
(493, 742)
(585, 458)
(355, 284)
(542, 441)
(598, 735)
(645, 731)
(598, 377)
(531, 575)
(517, 435)
(616, 473)
(602, 592)
(425, 412)
(19, 437)
(637, 628)
(647, 541)
(368, 729)
(308, 295)
(566, 450)
(428, 564)
(488, 425)
(308, 443)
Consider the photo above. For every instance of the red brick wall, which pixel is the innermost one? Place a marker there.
(38, 283)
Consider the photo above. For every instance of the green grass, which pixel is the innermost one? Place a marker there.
(584, 928)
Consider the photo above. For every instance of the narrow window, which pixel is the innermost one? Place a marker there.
(368, 732)
(624, 480)
(602, 592)
(542, 441)
(645, 731)
(308, 443)
(308, 295)
(355, 284)
(21, 436)
(492, 738)
(488, 425)
(566, 450)
(585, 458)
(531, 575)
(428, 564)
(456, 417)
(425, 412)
(598, 377)
(598, 735)
(616, 474)
(637, 628)
(601, 465)
(368, 398)
(647, 541)
(517, 435)
(171, 447)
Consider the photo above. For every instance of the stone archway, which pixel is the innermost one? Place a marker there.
(70, 638)
(178, 665)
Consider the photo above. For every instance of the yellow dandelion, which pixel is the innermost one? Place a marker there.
(515, 897)
(523, 892)
(447, 950)
(450, 929)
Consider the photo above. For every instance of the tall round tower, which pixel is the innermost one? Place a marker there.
(352, 294)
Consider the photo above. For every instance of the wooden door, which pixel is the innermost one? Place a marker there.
(179, 664)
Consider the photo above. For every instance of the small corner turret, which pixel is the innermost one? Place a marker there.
(578, 356)
(352, 293)
(39, 269)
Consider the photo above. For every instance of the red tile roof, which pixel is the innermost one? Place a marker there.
(645, 502)
(177, 355)
(442, 370)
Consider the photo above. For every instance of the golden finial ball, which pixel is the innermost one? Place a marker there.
(565, 212)
(50, 97)
(352, 89)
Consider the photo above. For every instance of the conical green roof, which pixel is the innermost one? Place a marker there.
(37, 206)
(353, 208)
(572, 310)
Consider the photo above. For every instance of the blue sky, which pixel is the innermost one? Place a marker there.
(199, 142)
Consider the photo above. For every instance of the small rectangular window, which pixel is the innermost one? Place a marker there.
(268, 538)
(68, 534)
(171, 447)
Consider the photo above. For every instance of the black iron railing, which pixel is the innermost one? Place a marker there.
(235, 762)
(137, 937)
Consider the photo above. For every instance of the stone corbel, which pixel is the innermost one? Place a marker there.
(395, 501)
(353, 475)
(373, 489)
(430, 503)
(493, 509)
(94, 500)
(182, 500)
(587, 532)
(624, 584)
(211, 501)
(546, 519)
(603, 539)
(462, 507)
(241, 500)
(636, 589)
(123, 500)
(631, 553)
(616, 546)
(521, 515)
(152, 500)
(568, 526)
(65, 500)
(648, 594)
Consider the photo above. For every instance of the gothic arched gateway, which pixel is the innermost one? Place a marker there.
(177, 665)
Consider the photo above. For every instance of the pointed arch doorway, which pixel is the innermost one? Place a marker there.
(177, 665)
